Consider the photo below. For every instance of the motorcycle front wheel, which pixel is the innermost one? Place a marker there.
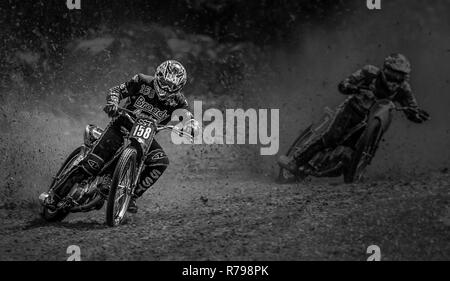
(365, 150)
(120, 192)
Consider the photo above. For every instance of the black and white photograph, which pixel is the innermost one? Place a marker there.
(212, 131)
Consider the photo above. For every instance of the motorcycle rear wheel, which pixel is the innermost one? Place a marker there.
(58, 214)
(284, 176)
(120, 191)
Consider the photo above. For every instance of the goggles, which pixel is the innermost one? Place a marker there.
(394, 76)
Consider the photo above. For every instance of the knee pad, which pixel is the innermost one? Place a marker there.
(92, 164)
(157, 156)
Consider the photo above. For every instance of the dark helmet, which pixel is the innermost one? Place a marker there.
(398, 62)
(396, 68)
(170, 77)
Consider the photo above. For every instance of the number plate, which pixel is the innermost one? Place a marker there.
(142, 129)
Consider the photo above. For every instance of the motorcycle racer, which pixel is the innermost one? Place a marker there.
(158, 96)
(364, 86)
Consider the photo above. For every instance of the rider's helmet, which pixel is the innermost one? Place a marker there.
(396, 70)
(170, 77)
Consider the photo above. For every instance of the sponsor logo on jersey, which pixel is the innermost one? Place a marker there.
(145, 106)
(147, 91)
(172, 102)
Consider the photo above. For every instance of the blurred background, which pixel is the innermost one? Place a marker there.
(56, 66)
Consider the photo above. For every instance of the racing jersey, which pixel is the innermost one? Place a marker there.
(141, 95)
(369, 77)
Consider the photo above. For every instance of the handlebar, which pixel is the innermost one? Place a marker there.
(405, 108)
(365, 90)
(423, 115)
(129, 114)
(368, 93)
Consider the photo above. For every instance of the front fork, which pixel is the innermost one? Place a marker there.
(130, 190)
(370, 154)
(142, 151)
(142, 146)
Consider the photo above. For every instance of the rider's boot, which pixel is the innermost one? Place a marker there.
(301, 157)
(132, 206)
(288, 163)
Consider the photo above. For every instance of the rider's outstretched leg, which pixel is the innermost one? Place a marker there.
(346, 117)
(301, 156)
(155, 164)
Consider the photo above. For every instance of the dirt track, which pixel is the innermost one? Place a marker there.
(246, 217)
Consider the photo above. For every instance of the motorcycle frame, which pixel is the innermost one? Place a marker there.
(380, 109)
(142, 147)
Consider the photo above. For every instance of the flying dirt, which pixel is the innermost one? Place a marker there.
(233, 216)
(222, 201)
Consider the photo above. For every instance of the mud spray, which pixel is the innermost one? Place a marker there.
(300, 78)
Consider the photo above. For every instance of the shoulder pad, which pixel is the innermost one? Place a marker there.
(371, 70)
(142, 78)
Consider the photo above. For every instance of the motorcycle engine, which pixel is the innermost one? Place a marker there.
(331, 159)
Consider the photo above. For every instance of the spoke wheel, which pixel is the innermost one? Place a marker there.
(121, 188)
(284, 176)
(364, 153)
(57, 214)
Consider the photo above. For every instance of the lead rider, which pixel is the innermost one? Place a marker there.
(158, 96)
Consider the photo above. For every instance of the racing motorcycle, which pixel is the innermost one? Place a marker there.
(355, 151)
(116, 181)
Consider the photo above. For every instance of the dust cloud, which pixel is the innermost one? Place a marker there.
(298, 77)
(304, 75)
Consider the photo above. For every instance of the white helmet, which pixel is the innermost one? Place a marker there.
(170, 77)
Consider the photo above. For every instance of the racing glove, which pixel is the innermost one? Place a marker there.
(192, 127)
(417, 115)
(112, 105)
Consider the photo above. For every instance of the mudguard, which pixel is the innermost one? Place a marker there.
(382, 110)
(137, 145)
